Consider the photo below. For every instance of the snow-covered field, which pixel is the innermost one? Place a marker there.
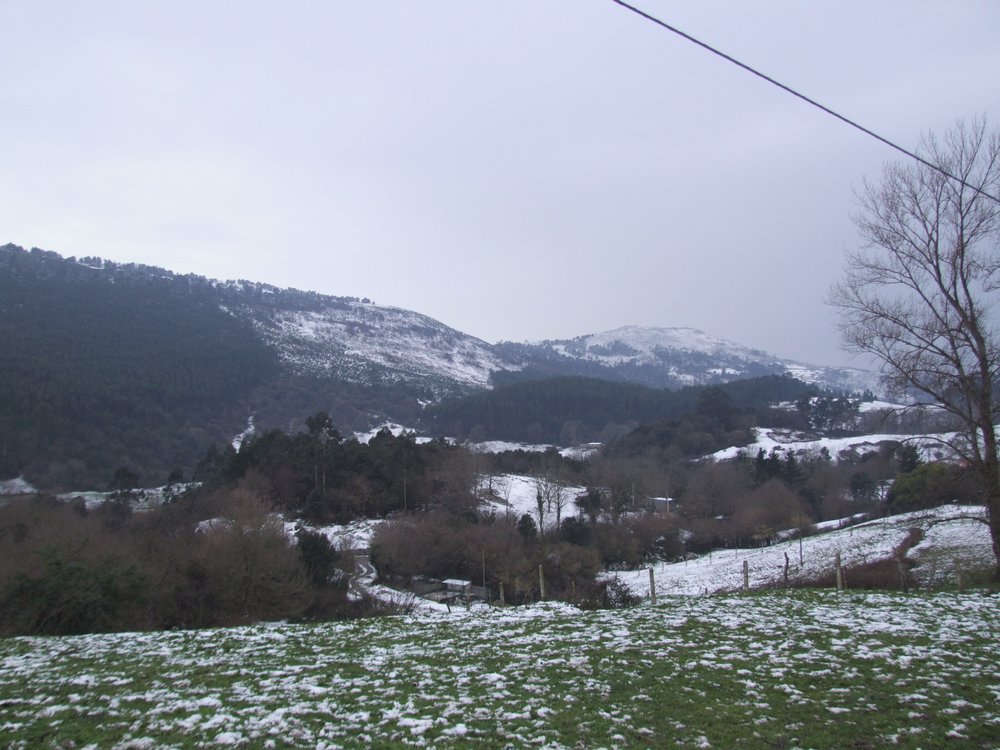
(803, 669)
(953, 538)
(516, 495)
(17, 486)
(931, 446)
(139, 499)
(356, 535)
(393, 427)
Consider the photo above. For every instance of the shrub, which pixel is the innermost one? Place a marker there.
(610, 594)
(72, 596)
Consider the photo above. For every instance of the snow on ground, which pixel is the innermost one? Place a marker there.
(17, 486)
(576, 452)
(401, 601)
(949, 547)
(580, 452)
(722, 570)
(930, 446)
(867, 406)
(838, 523)
(350, 339)
(140, 499)
(356, 535)
(502, 446)
(517, 495)
(789, 669)
(248, 431)
(395, 429)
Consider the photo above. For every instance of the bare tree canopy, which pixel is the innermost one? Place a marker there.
(919, 296)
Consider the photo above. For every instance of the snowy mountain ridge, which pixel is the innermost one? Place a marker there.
(364, 342)
(675, 357)
(355, 340)
(646, 342)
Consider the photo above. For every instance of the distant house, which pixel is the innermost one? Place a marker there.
(662, 503)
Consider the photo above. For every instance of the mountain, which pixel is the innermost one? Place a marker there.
(107, 365)
(674, 358)
(361, 342)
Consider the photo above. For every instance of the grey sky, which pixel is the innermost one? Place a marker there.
(518, 170)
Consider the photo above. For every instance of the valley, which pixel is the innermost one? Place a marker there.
(571, 376)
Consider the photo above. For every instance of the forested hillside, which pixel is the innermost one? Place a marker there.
(571, 410)
(106, 366)
(109, 366)
(102, 367)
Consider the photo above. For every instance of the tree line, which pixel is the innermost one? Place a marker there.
(107, 365)
(222, 553)
(572, 410)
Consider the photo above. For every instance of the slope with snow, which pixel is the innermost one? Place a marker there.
(671, 357)
(514, 495)
(368, 343)
(17, 486)
(932, 447)
(952, 531)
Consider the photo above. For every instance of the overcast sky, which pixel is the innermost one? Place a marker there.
(519, 170)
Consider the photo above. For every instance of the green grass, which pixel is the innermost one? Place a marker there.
(777, 670)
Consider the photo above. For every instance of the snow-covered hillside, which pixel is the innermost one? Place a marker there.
(515, 495)
(362, 342)
(17, 486)
(368, 343)
(932, 447)
(673, 357)
(953, 537)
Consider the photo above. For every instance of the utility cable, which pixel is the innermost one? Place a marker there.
(803, 97)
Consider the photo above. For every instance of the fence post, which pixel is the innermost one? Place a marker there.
(652, 587)
(746, 576)
(541, 582)
(502, 602)
(786, 570)
(839, 572)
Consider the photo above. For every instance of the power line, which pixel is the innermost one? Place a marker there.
(803, 97)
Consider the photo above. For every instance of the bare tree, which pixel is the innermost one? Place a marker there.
(919, 297)
(551, 495)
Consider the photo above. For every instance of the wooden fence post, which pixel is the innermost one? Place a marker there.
(786, 570)
(652, 587)
(541, 582)
(839, 572)
(502, 602)
(746, 576)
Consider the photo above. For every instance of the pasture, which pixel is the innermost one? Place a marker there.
(777, 670)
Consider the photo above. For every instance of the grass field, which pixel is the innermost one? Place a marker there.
(773, 670)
